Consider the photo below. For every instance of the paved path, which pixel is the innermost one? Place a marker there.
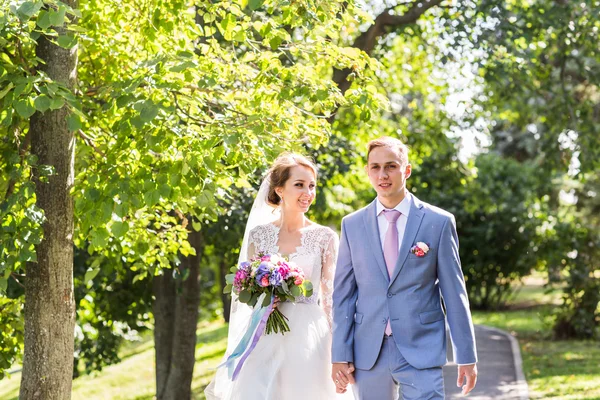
(500, 370)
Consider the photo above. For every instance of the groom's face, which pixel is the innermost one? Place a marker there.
(387, 173)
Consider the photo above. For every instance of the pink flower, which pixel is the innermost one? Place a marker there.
(298, 281)
(284, 270)
(264, 282)
(419, 253)
(265, 258)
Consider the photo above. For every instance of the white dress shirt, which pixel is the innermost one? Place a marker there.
(382, 222)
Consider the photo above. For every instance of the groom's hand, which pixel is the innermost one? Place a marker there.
(469, 372)
(342, 374)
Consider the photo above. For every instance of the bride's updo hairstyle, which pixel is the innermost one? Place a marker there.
(280, 172)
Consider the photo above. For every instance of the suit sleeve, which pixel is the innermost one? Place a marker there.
(454, 292)
(345, 293)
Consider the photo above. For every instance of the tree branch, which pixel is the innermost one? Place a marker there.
(367, 40)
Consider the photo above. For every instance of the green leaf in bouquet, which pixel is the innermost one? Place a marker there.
(229, 278)
(291, 298)
(245, 296)
(254, 299)
(233, 269)
(307, 288)
(295, 291)
(266, 301)
(227, 289)
(285, 286)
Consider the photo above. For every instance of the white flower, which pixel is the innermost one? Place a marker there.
(423, 246)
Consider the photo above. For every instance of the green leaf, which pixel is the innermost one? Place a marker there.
(295, 290)
(229, 278)
(183, 66)
(67, 41)
(119, 229)
(227, 26)
(3, 285)
(6, 89)
(266, 301)
(43, 20)
(28, 9)
(245, 296)
(57, 102)
(255, 4)
(307, 285)
(196, 225)
(151, 197)
(149, 111)
(100, 238)
(24, 108)
(227, 289)
(90, 274)
(42, 103)
(73, 122)
(57, 18)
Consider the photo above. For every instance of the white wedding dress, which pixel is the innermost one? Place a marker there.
(297, 365)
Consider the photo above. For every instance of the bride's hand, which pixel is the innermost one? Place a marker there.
(276, 302)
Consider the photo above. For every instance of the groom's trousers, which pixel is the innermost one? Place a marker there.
(392, 377)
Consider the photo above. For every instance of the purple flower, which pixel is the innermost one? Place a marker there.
(275, 278)
(262, 271)
(245, 266)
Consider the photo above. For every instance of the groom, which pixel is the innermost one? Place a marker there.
(398, 258)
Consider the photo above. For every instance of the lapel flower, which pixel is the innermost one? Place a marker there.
(420, 249)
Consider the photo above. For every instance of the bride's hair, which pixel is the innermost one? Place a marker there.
(280, 172)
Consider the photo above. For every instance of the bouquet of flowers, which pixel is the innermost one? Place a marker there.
(266, 277)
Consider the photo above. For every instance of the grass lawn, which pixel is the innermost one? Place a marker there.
(554, 369)
(133, 378)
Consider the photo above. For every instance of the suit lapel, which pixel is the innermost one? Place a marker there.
(370, 219)
(412, 228)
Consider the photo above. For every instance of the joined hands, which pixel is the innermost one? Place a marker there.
(342, 374)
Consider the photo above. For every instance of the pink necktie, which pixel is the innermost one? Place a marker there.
(390, 248)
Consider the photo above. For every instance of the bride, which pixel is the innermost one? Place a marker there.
(296, 365)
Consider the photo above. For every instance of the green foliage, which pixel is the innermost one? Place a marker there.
(498, 228)
(175, 107)
(571, 250)
(111, 309)
(541, 71)
(11, 333)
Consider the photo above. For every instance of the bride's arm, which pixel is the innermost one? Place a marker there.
(327, 273)
(251, 250)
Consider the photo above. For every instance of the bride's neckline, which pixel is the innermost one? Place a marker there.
(303, 232)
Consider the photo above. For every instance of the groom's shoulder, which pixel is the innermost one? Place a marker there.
(435, 211)
(357, 215)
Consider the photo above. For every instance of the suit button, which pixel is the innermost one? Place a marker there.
(390, 295)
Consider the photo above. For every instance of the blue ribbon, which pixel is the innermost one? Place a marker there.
(249, 340)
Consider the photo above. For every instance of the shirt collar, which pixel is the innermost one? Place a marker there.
(403, 206)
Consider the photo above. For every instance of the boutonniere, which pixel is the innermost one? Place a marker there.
(420, 249)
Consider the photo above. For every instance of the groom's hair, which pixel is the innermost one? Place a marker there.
(391, 143)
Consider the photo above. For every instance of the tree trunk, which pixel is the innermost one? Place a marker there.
(176, 327)
(164, 326)
(225, 298)
(49, 302)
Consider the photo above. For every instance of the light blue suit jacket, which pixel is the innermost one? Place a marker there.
(364, 295)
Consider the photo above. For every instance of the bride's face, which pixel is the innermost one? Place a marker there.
(299, 190)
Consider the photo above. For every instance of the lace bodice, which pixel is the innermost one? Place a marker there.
(316, 255)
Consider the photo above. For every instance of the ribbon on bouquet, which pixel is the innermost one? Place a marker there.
(258, 321)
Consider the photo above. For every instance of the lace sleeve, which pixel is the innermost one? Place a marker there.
(253, 241)
(329, 260)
